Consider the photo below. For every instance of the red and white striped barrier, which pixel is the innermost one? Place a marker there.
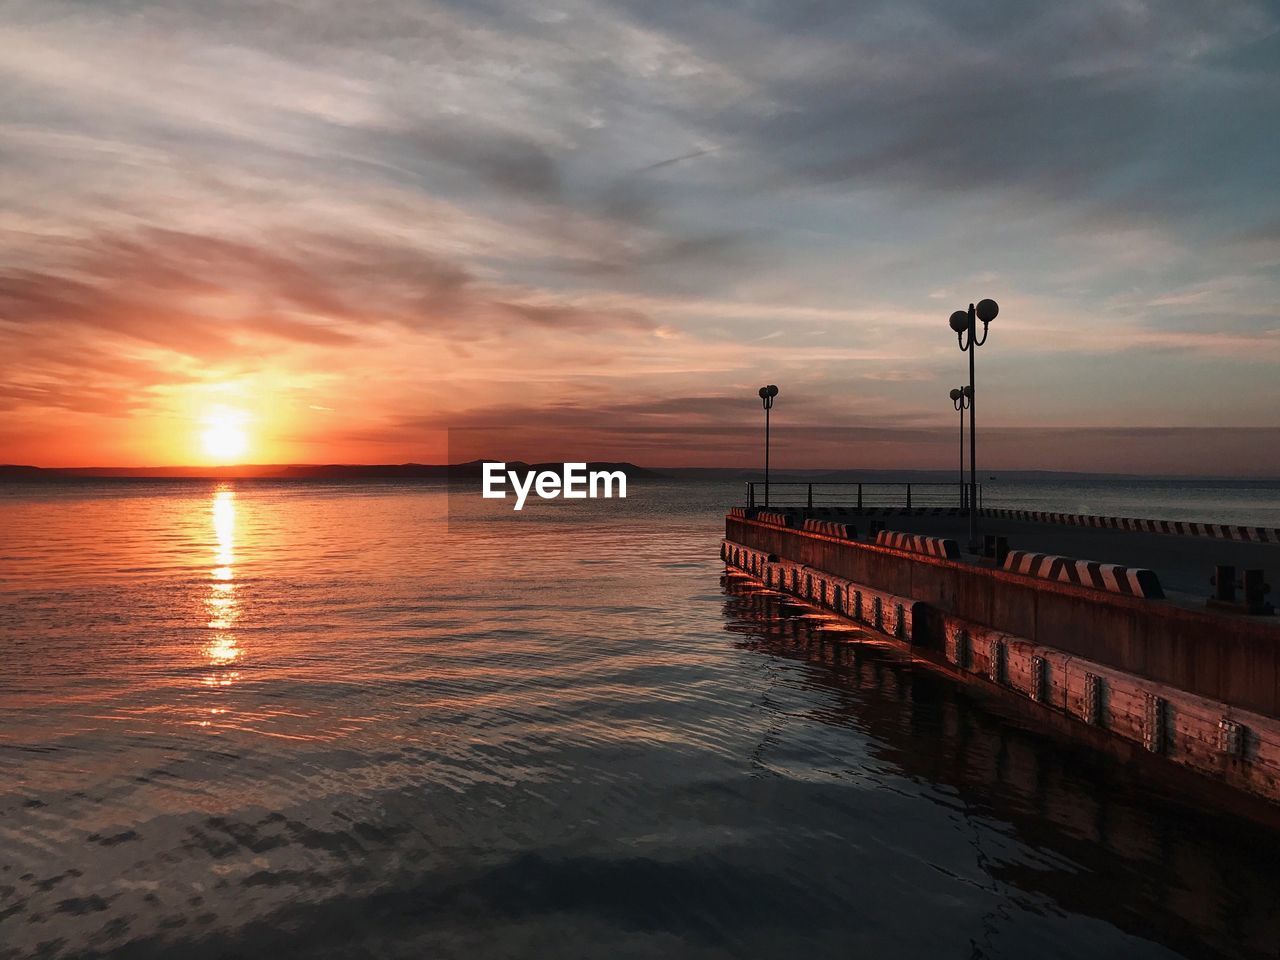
(1111, 577)
(916, 543)
(1186, 528)
(890, 511)
(832, 528)
(777, 519)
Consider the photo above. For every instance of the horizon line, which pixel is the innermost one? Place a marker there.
(195, 472)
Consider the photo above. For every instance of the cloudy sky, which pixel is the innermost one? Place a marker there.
(347, 229)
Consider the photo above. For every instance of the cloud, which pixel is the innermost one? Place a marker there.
(598, 207)
(199, 294)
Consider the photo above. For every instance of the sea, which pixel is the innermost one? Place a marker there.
(385, 719)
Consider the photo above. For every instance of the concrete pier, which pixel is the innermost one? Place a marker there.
(1186, 683)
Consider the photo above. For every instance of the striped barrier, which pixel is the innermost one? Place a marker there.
(777, 519)
(916, 543)
(1111, 577)
(832, 528)
(1186, 528)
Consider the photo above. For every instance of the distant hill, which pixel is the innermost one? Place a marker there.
(308, 471)
(472, 470)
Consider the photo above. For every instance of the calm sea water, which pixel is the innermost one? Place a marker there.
(1246, 502)
(292, 719)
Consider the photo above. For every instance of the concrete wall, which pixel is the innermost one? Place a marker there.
(899, 617)
(1236, 746)
(1228, 659)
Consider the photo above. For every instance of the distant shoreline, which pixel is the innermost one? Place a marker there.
(472, 470)
(329, 471)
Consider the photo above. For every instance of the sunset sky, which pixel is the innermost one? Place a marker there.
(320, 231)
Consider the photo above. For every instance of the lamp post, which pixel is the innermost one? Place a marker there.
(960, 400)
(766, 397)
(966, 322)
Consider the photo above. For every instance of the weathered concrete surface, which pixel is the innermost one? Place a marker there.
(1235, 746)
(1234, 660)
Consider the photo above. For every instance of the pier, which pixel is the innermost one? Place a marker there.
(1125, 633)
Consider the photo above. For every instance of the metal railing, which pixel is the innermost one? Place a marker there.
(865, 495)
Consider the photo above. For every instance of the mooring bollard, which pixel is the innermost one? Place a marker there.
(1255, 590)
(1254, 585)
(1224, 583)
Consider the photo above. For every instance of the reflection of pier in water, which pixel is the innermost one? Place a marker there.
(1123, 853)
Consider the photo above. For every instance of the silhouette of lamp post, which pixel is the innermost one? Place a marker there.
(966, 322)
(766, 397)
(960, 400)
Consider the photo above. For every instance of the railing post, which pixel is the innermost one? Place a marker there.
(811, 496)
(908, 496)
(859, 497)
(751, 494)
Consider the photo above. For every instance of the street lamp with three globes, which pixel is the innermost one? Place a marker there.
(965, 325)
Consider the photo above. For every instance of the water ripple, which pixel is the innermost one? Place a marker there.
(240, 721)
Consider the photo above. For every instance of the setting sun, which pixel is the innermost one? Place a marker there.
(224, 438)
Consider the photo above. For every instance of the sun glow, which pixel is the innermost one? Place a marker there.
(224, 438)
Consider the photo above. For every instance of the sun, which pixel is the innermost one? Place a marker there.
(224, 438)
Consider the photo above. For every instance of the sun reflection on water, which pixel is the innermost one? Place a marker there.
(221, 605)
